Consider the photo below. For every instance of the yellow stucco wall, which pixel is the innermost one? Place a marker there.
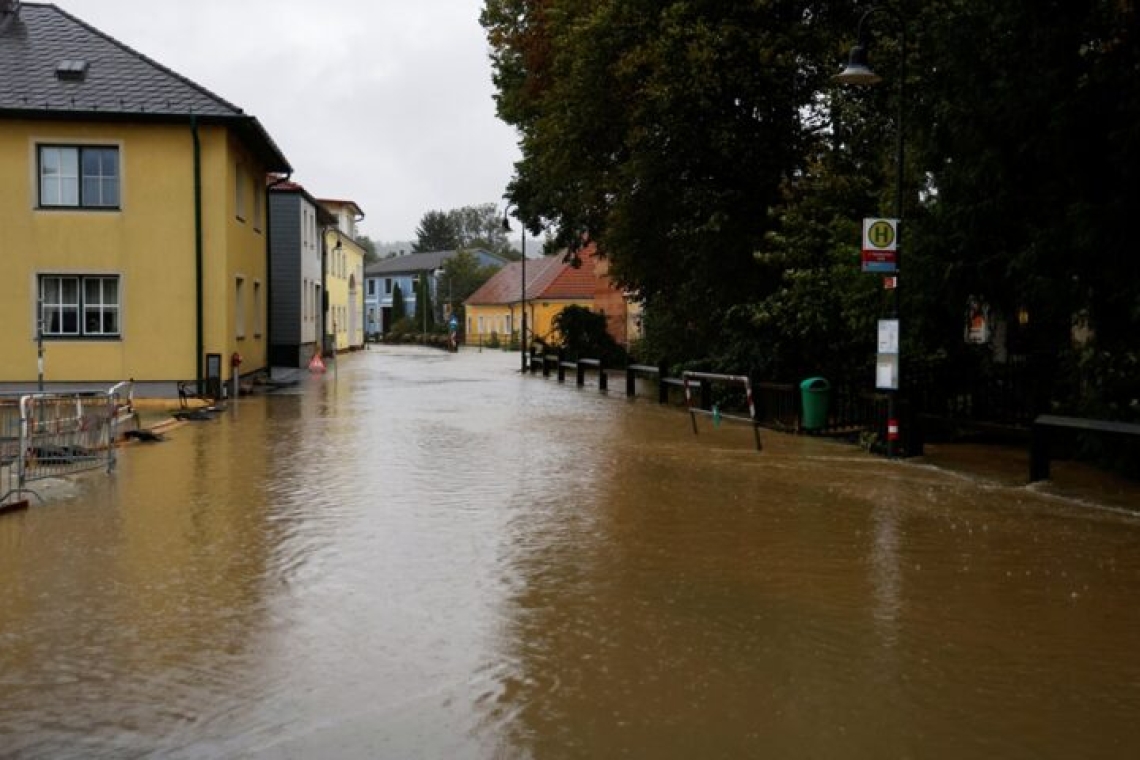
(148, 242)
(504, 318)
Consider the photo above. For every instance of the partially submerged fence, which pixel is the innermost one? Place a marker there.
(853, 412)
(705, 380)
(50, 435)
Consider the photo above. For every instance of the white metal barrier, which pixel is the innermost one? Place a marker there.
(50, 435)
(715, 413)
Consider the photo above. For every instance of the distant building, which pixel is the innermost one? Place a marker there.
(383, 277)
(344, 278)
(296, 317)
(552, 284)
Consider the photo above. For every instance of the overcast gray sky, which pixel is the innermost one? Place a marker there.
(384, 102)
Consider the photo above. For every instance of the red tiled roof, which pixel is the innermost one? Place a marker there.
(546, 277)
(573, 283)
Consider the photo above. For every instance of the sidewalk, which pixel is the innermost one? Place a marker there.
(1008, 465)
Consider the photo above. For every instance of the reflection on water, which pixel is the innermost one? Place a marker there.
(427, 555)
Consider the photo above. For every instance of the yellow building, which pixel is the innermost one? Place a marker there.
(133, 215)
(344, 278)
(551, 286)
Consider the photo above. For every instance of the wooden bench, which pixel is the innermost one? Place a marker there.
(1040, 437)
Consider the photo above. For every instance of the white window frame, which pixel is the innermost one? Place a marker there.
(81, 306)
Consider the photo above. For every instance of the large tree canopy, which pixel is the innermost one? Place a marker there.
(464, 228)
(703, 146)
(660, 130)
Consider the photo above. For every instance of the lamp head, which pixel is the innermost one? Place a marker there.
(506, 224)
(857, 71)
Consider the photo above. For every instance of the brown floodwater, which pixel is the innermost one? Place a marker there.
(429, 555)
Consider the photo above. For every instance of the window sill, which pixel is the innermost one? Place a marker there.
(82, 338)
(93, 209)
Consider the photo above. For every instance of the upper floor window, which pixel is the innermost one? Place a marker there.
(84, 176)
(388, 286)
(79, 306)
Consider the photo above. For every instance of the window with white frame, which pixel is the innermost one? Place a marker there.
(257, 309)
(387, 286)
(80, 306)
(79, 176)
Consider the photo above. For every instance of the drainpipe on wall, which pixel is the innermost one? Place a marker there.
(199, 305)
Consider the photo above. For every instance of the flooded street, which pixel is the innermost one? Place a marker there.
(428, 555)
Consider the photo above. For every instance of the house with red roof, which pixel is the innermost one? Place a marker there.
(552, 284)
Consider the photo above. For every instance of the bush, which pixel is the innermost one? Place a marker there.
(583, 335)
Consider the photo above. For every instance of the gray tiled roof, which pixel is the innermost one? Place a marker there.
(119, 81)
(412, 262)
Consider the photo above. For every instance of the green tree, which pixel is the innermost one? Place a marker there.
(437, 232)
(703, 147)
(399, 307)
(582, 335)
(424, 316)
(662, 131)
(462, 275)
(482, 227)
(369, 246)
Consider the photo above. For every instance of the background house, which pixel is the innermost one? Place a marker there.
(297, 292)
(135, 200)
(344, 278)
(552, 284)
(383, 277)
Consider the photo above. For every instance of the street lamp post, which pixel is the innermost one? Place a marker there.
(522, 296)
(857, 72)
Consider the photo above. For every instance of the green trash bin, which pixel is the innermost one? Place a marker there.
(816, 395)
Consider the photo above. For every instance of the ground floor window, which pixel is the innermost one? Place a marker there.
(80, 306)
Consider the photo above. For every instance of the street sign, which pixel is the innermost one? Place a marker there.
(880, 244)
